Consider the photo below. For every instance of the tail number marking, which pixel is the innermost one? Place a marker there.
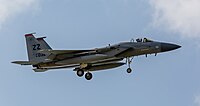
(36, 47)
(39, 55)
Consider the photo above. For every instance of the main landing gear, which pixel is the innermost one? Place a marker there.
(88, 76)
(128, 61)
(80, 73)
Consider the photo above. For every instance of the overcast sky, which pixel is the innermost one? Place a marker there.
(169, 79)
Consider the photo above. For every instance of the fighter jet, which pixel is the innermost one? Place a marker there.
(43, 58)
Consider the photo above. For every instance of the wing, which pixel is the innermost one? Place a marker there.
(93, 67)
(63, 54)
(56, 52)
(51, 68)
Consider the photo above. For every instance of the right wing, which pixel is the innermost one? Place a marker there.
(50, 68)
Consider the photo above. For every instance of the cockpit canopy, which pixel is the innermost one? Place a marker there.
(143, 40)
(147, 40)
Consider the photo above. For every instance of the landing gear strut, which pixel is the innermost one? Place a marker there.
(129, 60)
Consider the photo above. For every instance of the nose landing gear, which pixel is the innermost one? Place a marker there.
(129, 70)
(128, 61)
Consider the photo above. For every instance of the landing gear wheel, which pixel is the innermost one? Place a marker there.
(80, 72)
(129, 70)
(128, 61)
(88, 76)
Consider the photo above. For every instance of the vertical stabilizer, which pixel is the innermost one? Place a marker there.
(33, 46)
(44, 43)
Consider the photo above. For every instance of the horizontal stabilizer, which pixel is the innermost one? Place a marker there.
(24, 62)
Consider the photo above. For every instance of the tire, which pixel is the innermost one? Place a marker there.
(129, 70)
(88, 76)
(80, 72)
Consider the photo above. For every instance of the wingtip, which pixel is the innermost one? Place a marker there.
(29, 34)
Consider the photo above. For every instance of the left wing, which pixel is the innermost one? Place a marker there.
(57, 52)
(63, 54)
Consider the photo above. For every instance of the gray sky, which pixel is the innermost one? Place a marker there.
(169, 79)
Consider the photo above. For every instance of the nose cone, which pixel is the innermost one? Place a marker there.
(168, 47)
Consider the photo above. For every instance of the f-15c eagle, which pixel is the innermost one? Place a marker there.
(43, 58)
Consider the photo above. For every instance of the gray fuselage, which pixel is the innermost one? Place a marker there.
(115, 53)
